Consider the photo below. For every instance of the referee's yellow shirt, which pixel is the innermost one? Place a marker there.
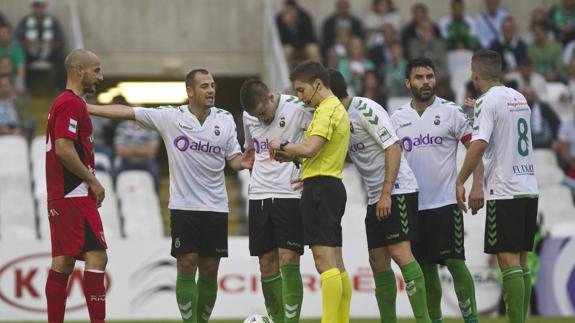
(331, 122)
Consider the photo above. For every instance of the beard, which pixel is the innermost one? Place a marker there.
(423, 97)
(88, 87)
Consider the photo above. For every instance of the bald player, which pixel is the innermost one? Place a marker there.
(74, 193)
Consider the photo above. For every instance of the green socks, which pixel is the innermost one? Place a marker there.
(527, 296)
(514, 293)
(292, 292)
(272, 290)
(187, 296)
(207, 292)
(386, 293)
(433, 291)
(415, 288)
(464, 289)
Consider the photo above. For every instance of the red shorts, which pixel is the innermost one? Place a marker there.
(75, 227)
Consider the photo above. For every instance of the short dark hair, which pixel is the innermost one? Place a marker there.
(418, 62)
(487, 64)
(309, 71)
(252, 92)
(191, 77)
(337, 83)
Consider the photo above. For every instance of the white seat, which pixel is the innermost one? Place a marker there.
(38, 159)
(395, 103)
(14, 170)
(555, 90)
(556, 204)
(459, 68)
(102, 160)
(109, 209)
(140, 206)
(17, 217)
(244, 177)
(562, 230)
(547, 170)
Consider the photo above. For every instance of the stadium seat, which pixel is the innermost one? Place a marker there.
(244, 177)
(562, 230)
(38, 159)
(14, 170)
(556, 205)
(139, 205)
(459, 68)
(394, 103)
(109, 209)
(555, 91)
(103, 162)
(17, 219)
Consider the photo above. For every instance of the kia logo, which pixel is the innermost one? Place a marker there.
(23, 279)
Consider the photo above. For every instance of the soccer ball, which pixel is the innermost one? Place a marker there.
(256, 318)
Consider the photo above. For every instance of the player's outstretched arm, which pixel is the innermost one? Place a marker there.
(68, 156)
(113, 111)
(307, 149)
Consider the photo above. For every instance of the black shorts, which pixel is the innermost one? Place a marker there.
(440, 235)
(510, 225)
(322, 206)
(399, 226)
(201, 232)
(275, 223)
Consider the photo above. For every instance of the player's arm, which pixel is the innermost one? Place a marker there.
(113, 111)
(306, 149)
(472, 159)
(476, 196)
(66, 153)
(242, 161)
(392, 161)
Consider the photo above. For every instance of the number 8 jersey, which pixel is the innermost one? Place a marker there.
(503, 120)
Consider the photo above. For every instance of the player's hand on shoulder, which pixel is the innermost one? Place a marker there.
(98, 192)
(469, 103)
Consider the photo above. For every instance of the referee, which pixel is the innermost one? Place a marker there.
(323, 199)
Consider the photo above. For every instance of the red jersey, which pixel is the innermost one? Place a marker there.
(68, 118)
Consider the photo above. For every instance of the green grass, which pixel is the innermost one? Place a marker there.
(482, 320)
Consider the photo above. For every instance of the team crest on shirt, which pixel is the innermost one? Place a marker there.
(217, 130)
(436, 121)
(282, 122)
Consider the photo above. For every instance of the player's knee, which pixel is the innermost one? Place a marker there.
(289, 257)
(401, 253)
(63, 264)
(379, 263)
(96, 260)
(209, 267)
(187, 264)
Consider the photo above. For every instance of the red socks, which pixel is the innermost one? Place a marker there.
(56, 296)
(95, 293)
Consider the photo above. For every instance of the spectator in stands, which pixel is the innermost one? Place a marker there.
(546, 54)
(544, 121)
(458, 29)
(341, 17)
(489, 21)
(509, 46)
(526, 75)
(7, 68)
(538, 16)
(355, 64)
(339, 49)
(9, 118)
(372, 88)
(566, 147)
(43, 40)
(297, 33)
(395, 72)
(409, 32)
(3, 20)
(428, 45)
(136, 148)
(562, 18)
(103, 131)
(10, 47)
(381, 53)
(383, 12)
